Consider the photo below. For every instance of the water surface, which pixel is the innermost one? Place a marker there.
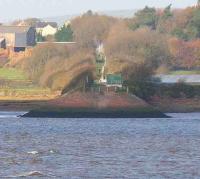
(100, 148)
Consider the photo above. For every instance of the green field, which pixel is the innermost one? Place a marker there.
(185, 72)
(25, 91)
(14, 82)
(12, 74)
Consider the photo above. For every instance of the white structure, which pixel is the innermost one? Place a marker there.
(101, 54)
(46, 28)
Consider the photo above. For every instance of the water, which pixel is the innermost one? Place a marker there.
(100, 148)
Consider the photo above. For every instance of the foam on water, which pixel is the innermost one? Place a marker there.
(195, 115)
(6, 114)
(33, 152)
(29, 174)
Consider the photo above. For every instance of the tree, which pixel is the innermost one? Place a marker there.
(39, 37)
(145, 17)
(124, 46)
(138, 77)
(179, 33)
(198, 3)
(194, 24)
(89, 31)
(88, 13)
(166, 21)
(65, 34)
(186, 54)
(167, 13)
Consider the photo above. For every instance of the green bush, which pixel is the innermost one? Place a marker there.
(65, 34)
(144, 90)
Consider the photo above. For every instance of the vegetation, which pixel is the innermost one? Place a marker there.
(64, 34)
(179, 90)
(91, 29)
(12, 74)
(153, 40)
(39, 37)
(138, 79)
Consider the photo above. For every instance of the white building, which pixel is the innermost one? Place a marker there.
(46, 28)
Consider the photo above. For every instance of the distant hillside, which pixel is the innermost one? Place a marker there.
(118, 13)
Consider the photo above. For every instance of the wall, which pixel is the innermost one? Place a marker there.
(48, 30)
(10, 38)
(20, 40)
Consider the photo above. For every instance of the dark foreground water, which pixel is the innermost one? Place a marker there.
(100, 148)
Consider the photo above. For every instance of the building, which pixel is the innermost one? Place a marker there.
(46, 28)
(108, 82)
(114, 80)
(101, 64)
(17, 38)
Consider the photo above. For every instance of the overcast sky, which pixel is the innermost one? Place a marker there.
(18, 9)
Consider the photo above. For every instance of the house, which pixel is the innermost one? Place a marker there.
(46, 28)
(17, 38)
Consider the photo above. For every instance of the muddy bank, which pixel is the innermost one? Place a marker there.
(25, 105)
(171, 105)
(95, 105)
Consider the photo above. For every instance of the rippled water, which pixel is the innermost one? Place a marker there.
(100, 148)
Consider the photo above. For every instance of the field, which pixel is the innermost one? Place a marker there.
(15, 85)
(184, 72)
(12, 74)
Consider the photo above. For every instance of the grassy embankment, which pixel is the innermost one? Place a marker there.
(15, 85)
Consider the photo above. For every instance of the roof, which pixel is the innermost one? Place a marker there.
(14, 29)
(170, 79)
(113, 79)
(44, 24)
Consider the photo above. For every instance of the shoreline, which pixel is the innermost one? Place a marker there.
(96, 113)
(172, 105)
(28, 105)
(94, 105)
(21, 105)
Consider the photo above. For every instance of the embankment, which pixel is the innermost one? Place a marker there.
(180, 105)
(95, 105)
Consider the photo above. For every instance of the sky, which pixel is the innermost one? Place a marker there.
(19, 9)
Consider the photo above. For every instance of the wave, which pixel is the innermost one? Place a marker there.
(33, 152)
(29, 174)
